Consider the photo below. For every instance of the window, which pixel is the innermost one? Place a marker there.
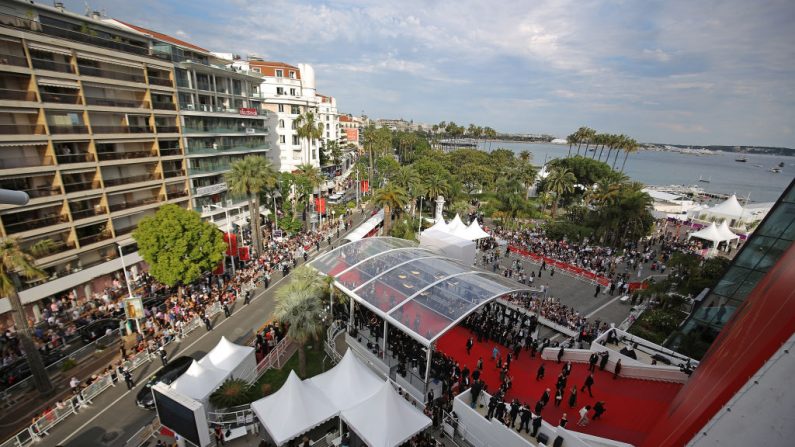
(279, 73)
(295, 125)
(279, 90)
(281, 124)
(292, 74)
(292, 91)
(295, 140)
(295, 110)
(327, 126)
(282, 140)
(281, 107)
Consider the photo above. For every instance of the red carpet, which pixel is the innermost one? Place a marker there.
(633, 406)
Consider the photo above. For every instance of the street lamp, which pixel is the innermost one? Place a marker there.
(127, 280)
(229, 230)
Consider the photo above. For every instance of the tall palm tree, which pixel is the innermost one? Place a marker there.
(408, 179)
(621, 143)
(560, 181)
(571, 139)
(15, 263)
(526, 175)
(392, 198)
(525, 156)
(299, 305)
(251, 176)
(630, 147)
(308, 129)
(601, 139)
(611, 141)
(435, 186)
(312, 179)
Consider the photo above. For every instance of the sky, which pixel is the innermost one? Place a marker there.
(674, 71)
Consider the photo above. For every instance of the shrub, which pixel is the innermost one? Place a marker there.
(232, 393)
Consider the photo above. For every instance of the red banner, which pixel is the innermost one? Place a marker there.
(247, 111)
(364, 185)
(219, 270)
(320, 205)
(563, 266)
(243, 253)
(231, 244)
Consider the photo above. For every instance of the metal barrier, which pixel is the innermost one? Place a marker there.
(144, 433)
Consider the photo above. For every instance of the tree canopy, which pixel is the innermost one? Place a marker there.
(178, 245)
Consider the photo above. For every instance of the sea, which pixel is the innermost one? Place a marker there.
(724, 175)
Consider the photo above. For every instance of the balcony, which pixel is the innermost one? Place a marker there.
(13, 59)
(16, 95)
(167, 129)
(105, 156)
(131, 179)
(80, 186)
(94, 238)
(129, 103)
(21, 129)
(38, 191)
(63, 159)
(121, 129)
(44, 64)
(160, 81)
(61, 98)
(57, 246)
(110, 74)
(33, 223)
(58, 129)
(132, 204)
(164, 105)
(89, 212)
(30, 161)
(232, 147)
(209, 169)
(174, 173)
(176, 194)
(224, 129)
(170, 151)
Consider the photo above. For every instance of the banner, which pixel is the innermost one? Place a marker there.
(364, 186)
(134, 308)
(320, 205)
(243, 253)
(231, 244)
(219, 270)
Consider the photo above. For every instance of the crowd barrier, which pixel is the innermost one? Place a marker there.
(630, 368)
(562, 266)
(541, 320)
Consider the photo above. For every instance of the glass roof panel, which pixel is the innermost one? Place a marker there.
(432, 311)
(339, 259)
(373, 267)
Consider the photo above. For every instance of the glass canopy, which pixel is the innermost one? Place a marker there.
(420, 291)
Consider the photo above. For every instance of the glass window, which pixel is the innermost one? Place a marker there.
(281, 107)
(780, 222)
(279, 73)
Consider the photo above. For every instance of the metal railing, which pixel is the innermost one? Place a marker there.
(110, 74)
(60, 98)
(74, 158)
(44, 64)
(17, 95)
(21, 129)
(103, 156)
(131, 179)
(57, 129)
(121, 129)
(144, 433)
(108, 102)
(160, 81)
(13, 59)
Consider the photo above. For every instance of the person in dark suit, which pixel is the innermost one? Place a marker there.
(617, 369)
(536, 426)
(603, 362)
(592, 362)
(470, 343)
(573, 397)
(587, 384)
(599, 409)
(561, 351)
(545, 397)
(524, 418)
(540, 373)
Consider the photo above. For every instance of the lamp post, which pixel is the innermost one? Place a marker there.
(127, 280)
(229, 230)
(419, 225)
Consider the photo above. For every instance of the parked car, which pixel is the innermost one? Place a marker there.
(96, 329)
(166, 375)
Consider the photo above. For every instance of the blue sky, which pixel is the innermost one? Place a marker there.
(677, 71)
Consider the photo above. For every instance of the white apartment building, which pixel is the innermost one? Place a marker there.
(329, 117)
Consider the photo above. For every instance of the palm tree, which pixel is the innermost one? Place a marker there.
(571, 139)
(309, 129)
(300, 307)
(621, 142)
(526, 175)
(630, 147)
(525, 156)
(392, 198)
(611, 141)
(436, 186)
(560, 181)
(312, 179)
(15, 263)
(251, 176)
(601, 138)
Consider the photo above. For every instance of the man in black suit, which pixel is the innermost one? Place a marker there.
(588, 383)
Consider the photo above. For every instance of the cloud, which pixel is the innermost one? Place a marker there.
(656, 54)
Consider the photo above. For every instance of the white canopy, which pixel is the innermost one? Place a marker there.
(386, 419)
(728, 208)
(473, 232)
(227, 356)
(456, 224)
(362, 230)
(709, 233)
(199, 381)
(439, 226)
(293, 410)
(457, 228)
(349, 383)
(726, 233)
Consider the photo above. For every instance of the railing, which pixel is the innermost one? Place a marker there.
(24, 162)
(57, 129)
(121, 129)
(80, 186)
(60, 98)
(21, 129)
(231, 147)
(131, 179)
(110, 74)
(130, 103)
(103, 156)
(82, 214)
(44, 64)
(160, 81)
(174, 173)
(74, 158)
(208, 169)
(273, 359)
(17, 95)
(176, 194)
(170, 151)
(132, 204)
(164, 105)
(13, 59)
(167, 129)
(144, 433)
(222, 129)
(30, 224)
(94, 238)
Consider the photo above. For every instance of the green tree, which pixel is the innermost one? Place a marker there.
(560, 181)
(334, 151)
(308, 179)
(308, 129)
(392, 198)
(178, 246)
(436, 186)
(15, 263)
(299, 305)
(251, 176)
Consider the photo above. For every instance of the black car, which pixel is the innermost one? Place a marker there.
(166, 375)
(97, 329)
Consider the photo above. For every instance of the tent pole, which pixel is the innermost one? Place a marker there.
(350, 316)
(428, 367)
(383, 346)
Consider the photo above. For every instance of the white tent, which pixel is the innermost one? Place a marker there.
(455, 224)
(474, 232)
(709, 233)
(238, 360)
(730, 208)
(199, 381)
(386, 419)
(349, 383)
(369, 225)
(293, 410)
(727, 233)
(439, 226)
(450, 245)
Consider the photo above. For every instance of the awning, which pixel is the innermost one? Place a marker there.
(107, 60)
(65, 83)
(18, 143)
(56, 50)
(115, 87)
(365, 228)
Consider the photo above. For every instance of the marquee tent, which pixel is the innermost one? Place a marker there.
(458, 229)
(456, 224)
(199, 381)
(450, 245)
(727, 233)
(386, 419)
(349, 383)
(709, 233)
(728, 209)
(473, 232)
(239, 361)
(293, 410)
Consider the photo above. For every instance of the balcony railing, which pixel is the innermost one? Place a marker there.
(131, 179)
(16, 95)
(129, 103)
(110, 74)
(169, 151)
(104, 156)
(174, 173)
(211, 108)
(59, 247)
(34, 223)
(231, 147)
(58, 129)
(25, 162)
(80, 186)
(167, 129)
(21, 129)
(44, 64)
(164, 105)
(176, 194)
(88, 240)
(222, 129)
(61, 98)
(75, 158)
(33, 193)
(125, 230)
(160, 81)
(208, 168)
(121, 129)
(13, 59)
(90, 212)
(132, 204)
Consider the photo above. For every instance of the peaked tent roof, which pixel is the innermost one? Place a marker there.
(226, 355)
(295, 409)
(474, 232)
(438, 226)
(729, 207)
(709, 233)
(199, 381)
(386, 419)
(455, 224)
(349, 383)
(726, 232)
